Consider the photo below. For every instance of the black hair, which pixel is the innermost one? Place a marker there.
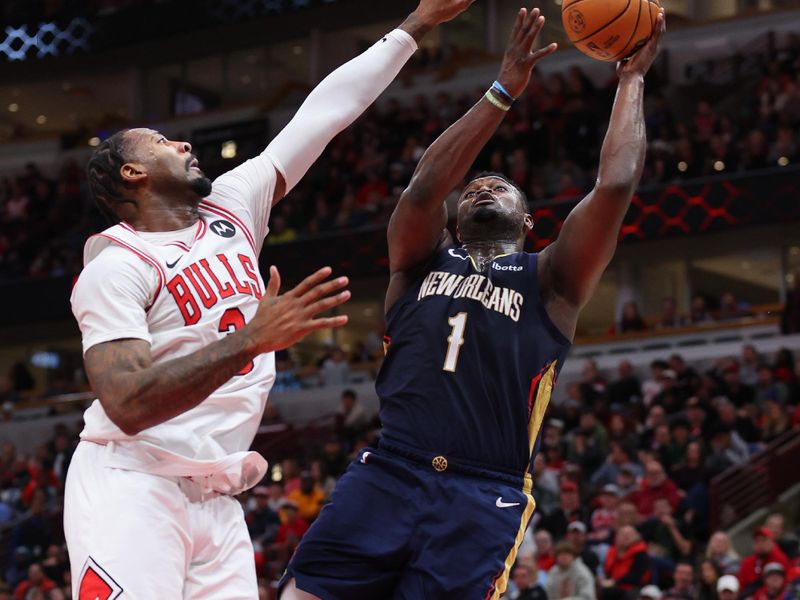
(104, 177)
(349, 394)
(484, 174)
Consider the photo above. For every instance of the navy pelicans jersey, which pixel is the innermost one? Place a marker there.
(471, 361)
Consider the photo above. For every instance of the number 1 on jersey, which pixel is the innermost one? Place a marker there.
(455, 341)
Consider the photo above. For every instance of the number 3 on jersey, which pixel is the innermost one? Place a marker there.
(455, 341)
(233, 320)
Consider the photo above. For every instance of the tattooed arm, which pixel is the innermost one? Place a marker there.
(136, 394)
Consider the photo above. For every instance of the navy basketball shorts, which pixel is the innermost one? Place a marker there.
(398, 528)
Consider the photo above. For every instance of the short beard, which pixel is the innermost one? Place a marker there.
(488, 225)
(201, 186)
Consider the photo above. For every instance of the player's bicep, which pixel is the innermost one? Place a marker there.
(414, 234)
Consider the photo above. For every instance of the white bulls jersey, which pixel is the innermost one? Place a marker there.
(181, 291)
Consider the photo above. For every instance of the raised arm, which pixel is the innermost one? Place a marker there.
(570, 268)
(418, 222)
(136, 394)
(347, 92)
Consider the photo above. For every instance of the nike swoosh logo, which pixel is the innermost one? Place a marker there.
(175, 262)
(501, 504)
(454, 255)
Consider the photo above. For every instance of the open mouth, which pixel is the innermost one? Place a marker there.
(484, 198)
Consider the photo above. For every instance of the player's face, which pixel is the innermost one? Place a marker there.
(489, 208)
(169, 164)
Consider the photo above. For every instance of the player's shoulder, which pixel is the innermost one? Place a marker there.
(110, 256)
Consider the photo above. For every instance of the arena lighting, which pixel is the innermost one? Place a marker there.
(683, 166)
(49, 39)
(228, 149)
(783, 161)
(719, 165)
(41, 119)
(94, 141)
(13, 107)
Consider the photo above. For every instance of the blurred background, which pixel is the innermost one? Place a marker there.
(684, 360)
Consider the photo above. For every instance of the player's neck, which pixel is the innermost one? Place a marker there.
(483, 252)
(159, 217)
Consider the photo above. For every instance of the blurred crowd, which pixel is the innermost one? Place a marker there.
(549, 145)
(622, 483)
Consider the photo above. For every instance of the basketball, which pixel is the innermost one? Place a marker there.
(609, 30)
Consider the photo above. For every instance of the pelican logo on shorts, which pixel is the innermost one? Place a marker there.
(96, 584)
(439, 463)
(576, 21)
(223, 228)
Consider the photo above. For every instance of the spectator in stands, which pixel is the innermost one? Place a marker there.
(544, 550)
(335, 370)
(775, 419)
(774, 582)
(650, 592)
(627, 565)
(626, 389)
(36, 580)
(321, 478)
(683, 588)
(784, 366)
(776, 523)
(630, 320)
(748, 365)
(655, 385)
(353, 418)
(768, 388)
(525, 581)
(709, 577)
(669, 315)
(729, 309)
(728, 587)
(724, 454)
(618, 457)
(666, 536)
(765, 551)
(698, 313)
(576, 535)
(291, 475)
(308, 498)
(720, 550)
(569, 579)
(655, 484)
(603, 519)
(293, 528)
(790, 321)
(570, 510)
(262, 522)
(743, 429)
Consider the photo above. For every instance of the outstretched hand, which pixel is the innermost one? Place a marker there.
(519, 59)
(280, 321)
(640, 63)
(436, 12)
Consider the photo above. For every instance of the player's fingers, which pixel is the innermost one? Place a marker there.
(320, 306)
(543, 52)
(274, 284)
(310, 281)
(325, 289)
(518, 23)
(328, 323)
(533, 31)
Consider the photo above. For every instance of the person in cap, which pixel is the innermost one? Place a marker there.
(765, 551)
(576, 535)
(569, 579)
(774, 582)
(569, 510)
(262, 521)
(603, 517)
(650, 592)
(293, 528)
(727, 587)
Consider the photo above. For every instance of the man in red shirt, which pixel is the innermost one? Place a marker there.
(293, 527)
(36, 580)
(654, 485)
(765, 551)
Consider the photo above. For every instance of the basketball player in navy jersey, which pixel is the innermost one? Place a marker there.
(476, 334)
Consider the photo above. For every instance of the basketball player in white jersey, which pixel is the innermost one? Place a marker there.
(178, 334)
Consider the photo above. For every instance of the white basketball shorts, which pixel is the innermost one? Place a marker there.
(138, 536)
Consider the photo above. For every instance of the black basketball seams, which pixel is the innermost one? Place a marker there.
(614, 20)
(633, 33)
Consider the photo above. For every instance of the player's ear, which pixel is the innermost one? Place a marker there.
(458, 234)
(528, 222)
(132, 173)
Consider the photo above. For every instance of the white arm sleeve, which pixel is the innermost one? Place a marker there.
(336, 102)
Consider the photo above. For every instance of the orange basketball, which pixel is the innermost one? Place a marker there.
(609, 30)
